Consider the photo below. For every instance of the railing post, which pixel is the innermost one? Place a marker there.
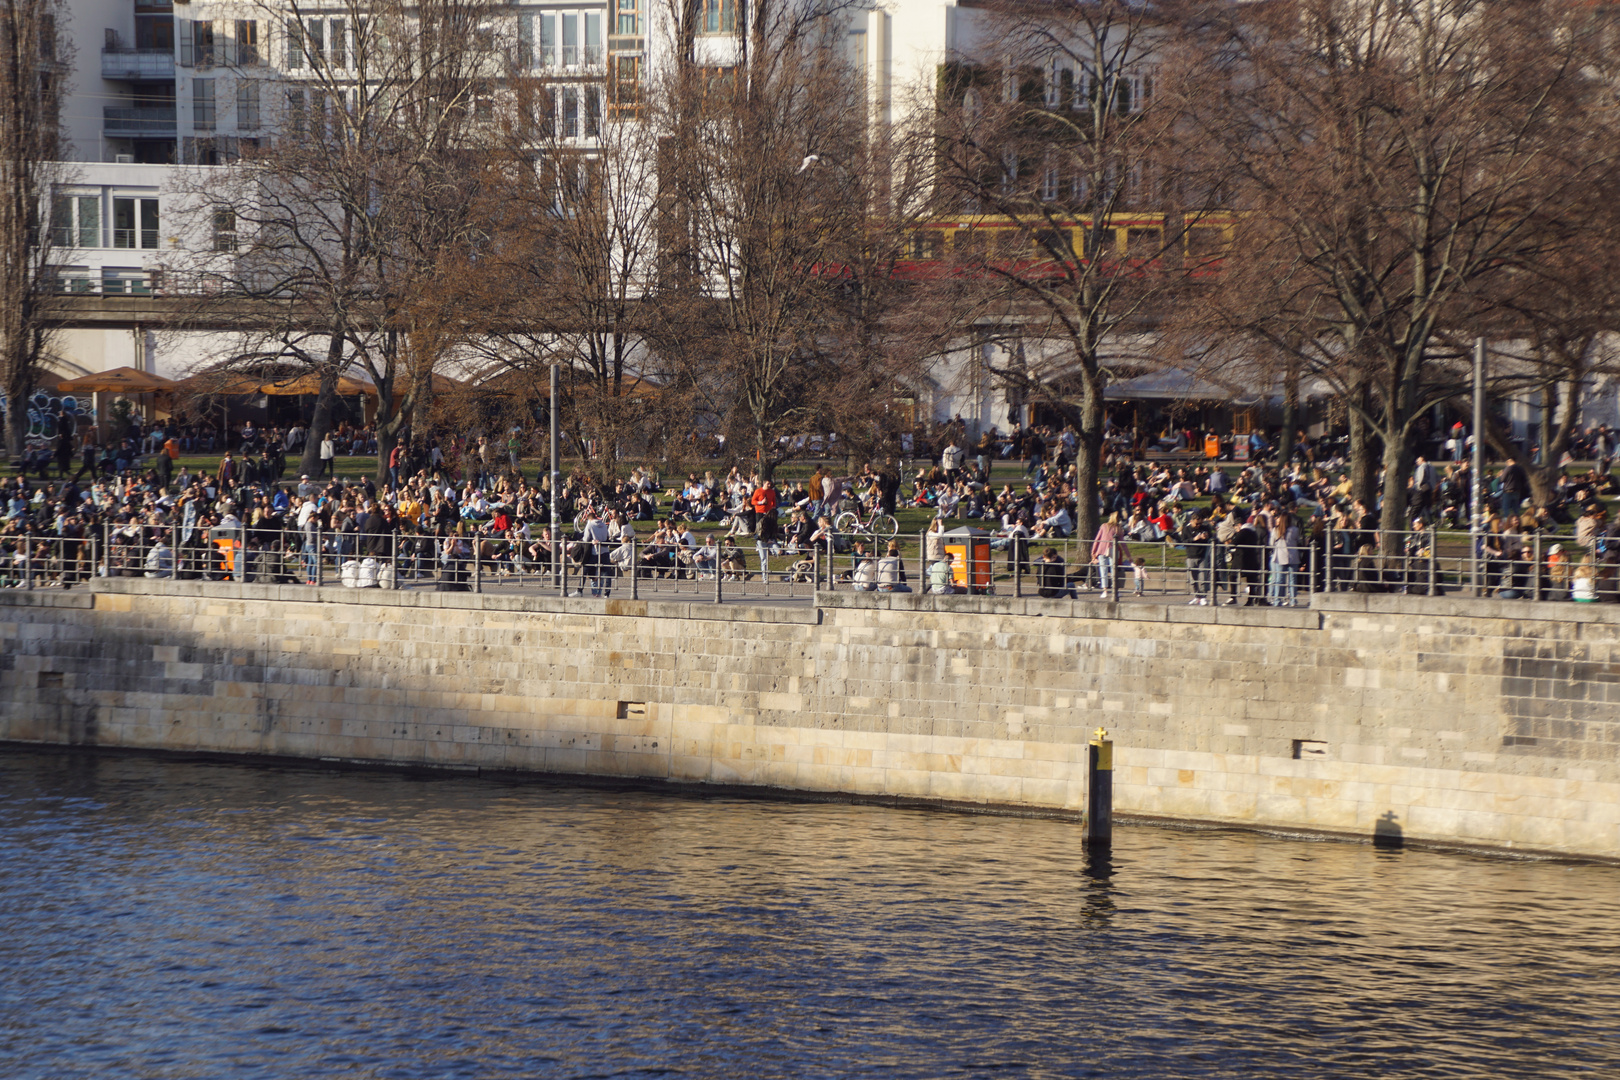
(635, 576)
(478, 565)
(106, 549)
(832, 581)
(1535, 568)
(174, 550)
(28, 558)
(1434, 563)
(1327, 557)
(719, 572)
(393, 558)
(1310, 584)
(318, 560)
(1113, 572)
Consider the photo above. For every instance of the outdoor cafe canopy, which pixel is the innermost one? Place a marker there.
(125, 380)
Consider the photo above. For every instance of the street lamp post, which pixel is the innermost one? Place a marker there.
(1476, 508)
(556, 487)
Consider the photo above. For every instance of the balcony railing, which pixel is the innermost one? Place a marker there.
(137, 64)
(147, 121)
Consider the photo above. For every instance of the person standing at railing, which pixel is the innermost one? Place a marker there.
(1285, 552)
(1104, 552)
(1197, 540)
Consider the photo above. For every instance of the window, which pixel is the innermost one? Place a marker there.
(1050, 181)
(537, 40)
(1134, 92)
(720, 16)
(1105, 241)
(593, 38)
(1143, 242)
(135, 223)
(296, 112)
(1051, 244)
(570, 112)
(315, 41)
(1205, 242)
(247, 41)
(76, 221)
(202, 36)
(247, 104)
(570, 40)
(483, 103)
(337, 40)
(927, 244)
(1057, 73)
(629, 21)
(202, 104)
(295, 45)
(593, 111)
(625, 86)
(224, 230)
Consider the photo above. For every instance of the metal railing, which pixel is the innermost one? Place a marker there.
(1535, 567)
(154, 120)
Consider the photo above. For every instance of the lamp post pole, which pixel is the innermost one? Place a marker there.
(1476, 509)
(556, 487)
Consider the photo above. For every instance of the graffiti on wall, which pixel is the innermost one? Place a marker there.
(44, 407)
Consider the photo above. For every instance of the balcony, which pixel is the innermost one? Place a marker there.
(137, 65)
(128, 123)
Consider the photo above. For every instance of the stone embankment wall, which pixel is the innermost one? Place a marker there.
(1458, 721)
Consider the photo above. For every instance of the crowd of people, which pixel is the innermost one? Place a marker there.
(1261, 534)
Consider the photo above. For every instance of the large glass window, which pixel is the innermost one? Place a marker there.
(593, 38)
(135, 223)
(570, 112)
(570, 40)
(247, 104)
(224, 230)
(247, 41)
(629, 23)
(203, 109)
(76, 221)
(315, 41)
(720, 16)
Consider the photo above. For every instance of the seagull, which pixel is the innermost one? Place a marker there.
(810, 159)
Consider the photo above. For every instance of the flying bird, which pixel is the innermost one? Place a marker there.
(810, 159)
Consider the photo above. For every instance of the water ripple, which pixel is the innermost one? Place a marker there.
(165, 919)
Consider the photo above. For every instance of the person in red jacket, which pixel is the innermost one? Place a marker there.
(764, 503)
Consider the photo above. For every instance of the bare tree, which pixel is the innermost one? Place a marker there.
(339, 229)
(32, 69)
(1398, 163)
(777, 231)
(568, 273)
(1061, 158)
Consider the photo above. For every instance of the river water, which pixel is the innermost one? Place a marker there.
(165, 918)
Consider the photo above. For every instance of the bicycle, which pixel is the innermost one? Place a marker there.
(879, 526)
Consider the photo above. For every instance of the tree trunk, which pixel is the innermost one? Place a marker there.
(1088, 459)
(1363, 478)
(16, 418)
(1398, 460)
(319, 425)
(1290, 416)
